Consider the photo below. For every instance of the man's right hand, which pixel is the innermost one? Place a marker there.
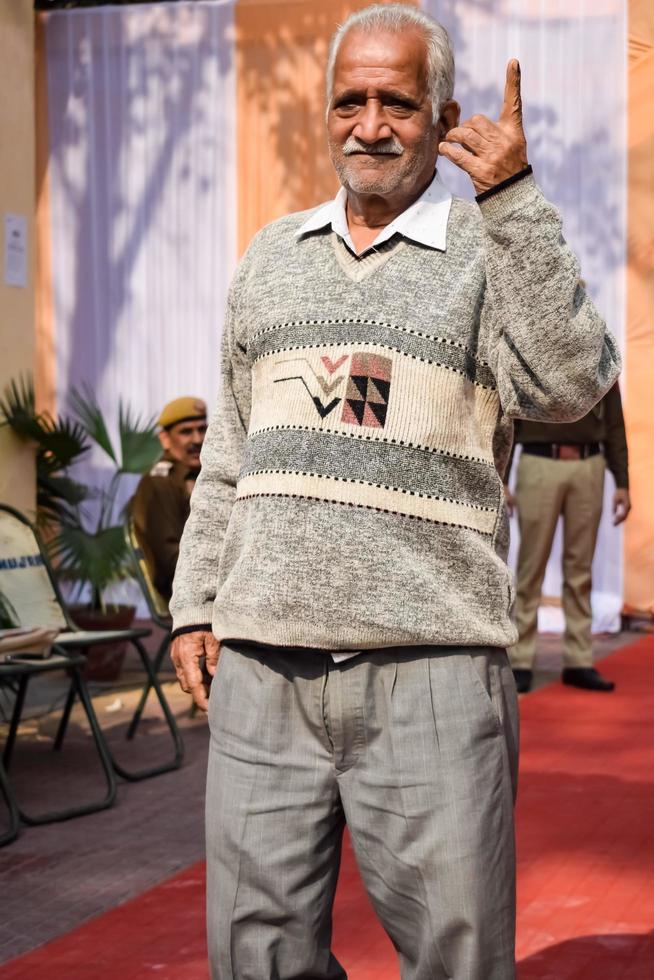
(509, 500)
(187, 652)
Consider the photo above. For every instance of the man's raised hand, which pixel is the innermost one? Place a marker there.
(187, 652)
(491, 152)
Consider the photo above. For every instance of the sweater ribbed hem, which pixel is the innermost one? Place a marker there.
(312, 635)
(518, 196)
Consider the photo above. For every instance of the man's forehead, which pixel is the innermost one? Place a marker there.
(383, 53)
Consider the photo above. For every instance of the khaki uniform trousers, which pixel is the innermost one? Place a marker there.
(417, 749)
(547, 489)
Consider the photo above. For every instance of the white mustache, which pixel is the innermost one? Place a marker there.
(354, 145)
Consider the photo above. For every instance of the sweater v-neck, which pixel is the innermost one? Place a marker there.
(358, 268)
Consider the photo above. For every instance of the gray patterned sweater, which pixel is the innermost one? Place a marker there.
(350, 494)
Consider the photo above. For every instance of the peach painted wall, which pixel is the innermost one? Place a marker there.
(17, 479)
(283, 163)
(44, 354)
(639, 367)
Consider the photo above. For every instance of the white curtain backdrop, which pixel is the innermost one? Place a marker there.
(141, 104)
(573, 59)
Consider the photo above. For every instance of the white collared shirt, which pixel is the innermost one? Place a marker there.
(425, 221)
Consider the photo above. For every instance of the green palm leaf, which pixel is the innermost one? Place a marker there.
(98, 559)
(17, 408)
(90, 415)
(62, 440)
(57, 497)
(139, 444)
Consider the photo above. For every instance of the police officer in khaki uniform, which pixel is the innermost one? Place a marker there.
(561, 473)
(161, 504)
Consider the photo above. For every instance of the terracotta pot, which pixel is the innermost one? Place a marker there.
(103, 662)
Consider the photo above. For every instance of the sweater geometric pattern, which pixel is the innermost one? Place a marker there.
(370, 392)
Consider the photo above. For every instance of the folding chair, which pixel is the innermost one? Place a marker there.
(29, 582)
(12, 809)
(157, 610)
(22, 671)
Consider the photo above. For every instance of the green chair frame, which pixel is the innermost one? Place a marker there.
(12, 808)
(23, 670)
(157, 610)
(74, 639)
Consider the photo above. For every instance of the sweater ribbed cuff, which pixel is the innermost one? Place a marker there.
(503, 184)
(200, 628)
(514, 199)
(191, 618)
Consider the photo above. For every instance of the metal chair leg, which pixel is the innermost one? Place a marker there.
(65, 718)
(156, 667)
(78, 687)
(14, 815)
(170, 721)
(15, 720)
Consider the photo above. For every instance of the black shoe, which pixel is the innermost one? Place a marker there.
(522, 678)
(588, 678)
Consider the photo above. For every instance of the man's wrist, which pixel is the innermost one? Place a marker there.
(196, 628)
(504, 184)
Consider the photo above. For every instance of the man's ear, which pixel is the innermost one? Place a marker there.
(449, 117)
(164, 439)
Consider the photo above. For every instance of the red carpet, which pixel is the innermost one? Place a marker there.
(585, 848)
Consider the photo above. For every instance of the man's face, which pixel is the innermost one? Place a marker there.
(183, 441)
(382, 137)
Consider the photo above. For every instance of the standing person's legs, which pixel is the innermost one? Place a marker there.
(274, 820)
(540, 492)
(426, 743)
(581, 519)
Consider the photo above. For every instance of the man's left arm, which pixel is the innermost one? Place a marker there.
(616, 453)
(550, 351)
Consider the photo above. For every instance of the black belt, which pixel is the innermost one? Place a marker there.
(562, 450)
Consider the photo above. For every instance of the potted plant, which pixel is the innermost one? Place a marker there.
(86, 539)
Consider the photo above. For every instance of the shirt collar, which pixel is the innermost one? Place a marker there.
(425, 221)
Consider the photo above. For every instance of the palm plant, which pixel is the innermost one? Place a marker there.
(59, 443)
(89, 546)
(86, 539)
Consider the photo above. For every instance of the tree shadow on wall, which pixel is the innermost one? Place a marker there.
(125, 91)
(109, 77)
(281, 78)
(562, 165)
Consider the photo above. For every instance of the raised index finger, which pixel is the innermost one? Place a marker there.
(512, 106)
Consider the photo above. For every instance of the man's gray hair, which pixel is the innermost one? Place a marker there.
(395, 18)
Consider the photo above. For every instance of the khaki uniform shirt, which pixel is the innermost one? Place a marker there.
(603, 424)
(159, 509)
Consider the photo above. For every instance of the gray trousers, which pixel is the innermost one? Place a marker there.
(416, 749)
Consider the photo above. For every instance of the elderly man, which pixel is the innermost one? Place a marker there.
(346, 547)
(160, 505)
